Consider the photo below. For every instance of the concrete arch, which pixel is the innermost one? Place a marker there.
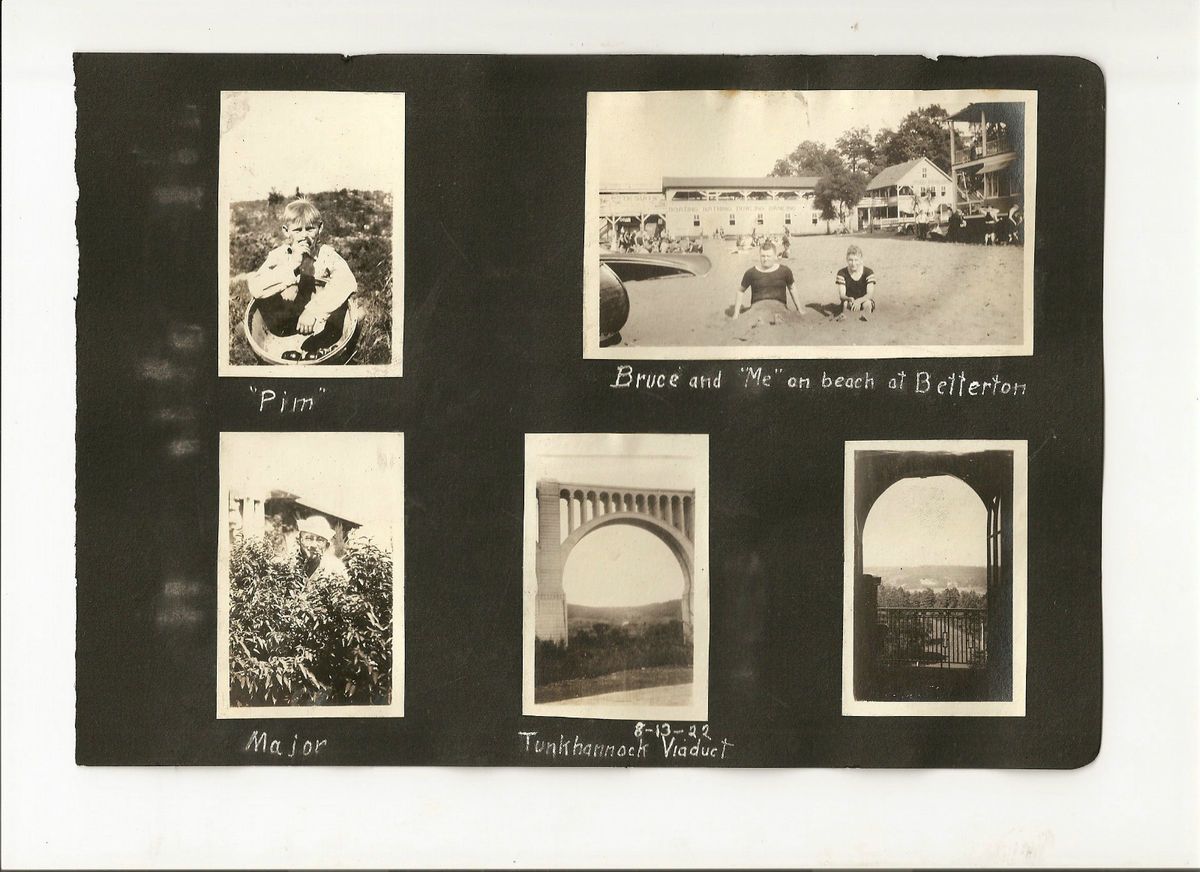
(567, 513)
(679, 546)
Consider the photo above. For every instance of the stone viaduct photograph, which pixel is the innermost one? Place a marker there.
(616, 576)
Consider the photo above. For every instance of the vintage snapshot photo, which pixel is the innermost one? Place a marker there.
(935, 587)
(809, 224)
(616, 576)
(310, 569)
(311, 233)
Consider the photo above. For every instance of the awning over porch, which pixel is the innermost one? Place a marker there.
(990, 164)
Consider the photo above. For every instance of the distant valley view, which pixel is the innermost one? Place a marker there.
(579, 616)
(614, 648)
(932, 586)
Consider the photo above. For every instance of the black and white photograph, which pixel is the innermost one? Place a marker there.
(616, 576)
(809, 224)
(310, 608)
(311, 226)
(935, 578)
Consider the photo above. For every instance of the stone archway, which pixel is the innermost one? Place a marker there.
(668, 514)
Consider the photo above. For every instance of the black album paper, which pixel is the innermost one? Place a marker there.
(603, 411)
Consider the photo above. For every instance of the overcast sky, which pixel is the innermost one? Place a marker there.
(926, 521)
(621, 566)
(636, 138)
(358, 476)
(315, 140)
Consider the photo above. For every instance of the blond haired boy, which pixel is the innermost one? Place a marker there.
(304, 280)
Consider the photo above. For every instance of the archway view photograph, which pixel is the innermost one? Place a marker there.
(310, 590)
(616, 576)
(809, 224)
(935, 578)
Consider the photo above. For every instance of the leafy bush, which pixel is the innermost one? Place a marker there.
(603, 648)
(294, 640)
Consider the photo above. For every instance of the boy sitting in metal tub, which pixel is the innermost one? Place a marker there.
(302, 287)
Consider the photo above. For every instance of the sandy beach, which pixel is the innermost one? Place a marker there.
(929, 293)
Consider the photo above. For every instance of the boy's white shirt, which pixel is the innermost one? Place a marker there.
(328, 266)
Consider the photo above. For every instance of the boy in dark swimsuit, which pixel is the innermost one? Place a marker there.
(770, 284)
(855, 286)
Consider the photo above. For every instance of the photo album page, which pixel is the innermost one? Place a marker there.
(589, 411)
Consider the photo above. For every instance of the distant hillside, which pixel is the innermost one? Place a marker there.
(648, 614)
(933, 578)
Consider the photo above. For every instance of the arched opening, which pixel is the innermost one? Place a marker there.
(925, 550)
(619, 569)
(626, 582)
(927, 521)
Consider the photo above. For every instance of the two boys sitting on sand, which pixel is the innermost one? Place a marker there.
(303, 283)
(771, 284)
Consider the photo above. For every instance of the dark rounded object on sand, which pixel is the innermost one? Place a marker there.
(614, 306)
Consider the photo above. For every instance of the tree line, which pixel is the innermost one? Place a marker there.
(844, 171)
(891, 596)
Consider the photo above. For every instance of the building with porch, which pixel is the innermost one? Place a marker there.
(735, 206)
(708, 206)
(905, 192)
(630, 209)
(274, 514)
(987, 157)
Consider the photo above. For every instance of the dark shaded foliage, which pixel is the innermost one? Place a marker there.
(603, 648)
(295, 640)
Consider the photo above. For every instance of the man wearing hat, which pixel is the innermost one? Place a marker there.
(316, 547)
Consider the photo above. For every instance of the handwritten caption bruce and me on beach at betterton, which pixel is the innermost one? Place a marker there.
(775, 377)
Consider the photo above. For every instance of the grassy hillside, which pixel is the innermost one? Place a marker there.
(601, 648)
(358, 224)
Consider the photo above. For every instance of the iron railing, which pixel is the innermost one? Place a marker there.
(951, 638)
